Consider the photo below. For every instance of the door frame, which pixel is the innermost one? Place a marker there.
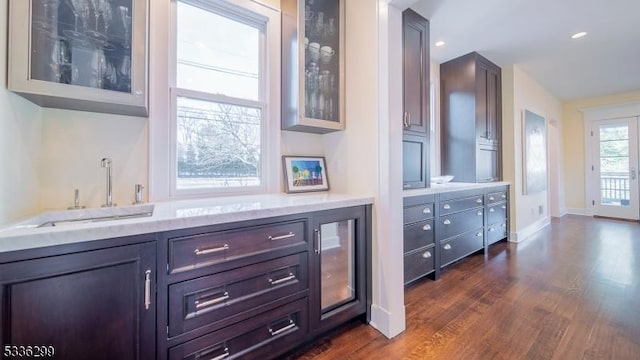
(589, 116)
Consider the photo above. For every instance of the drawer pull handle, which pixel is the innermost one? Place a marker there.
(147, 289)
(426, 227)
(479, 200)
(492, 229)
(446, 206)
(504, 225)
(204, 304)
(504, 196)
(447, 247)
(492, 210)
(426, 255)
(212, 250)
(426, 210)
(281, 237)
(224, 355)
(479, 234)
(447, 222)
(284, 279)
(491, 198)
(479, 213)
(280, 331)
(504, 207)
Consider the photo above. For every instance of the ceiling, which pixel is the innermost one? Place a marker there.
(536, 36)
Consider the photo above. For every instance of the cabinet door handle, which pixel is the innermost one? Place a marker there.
(446, 206)
(426, 210)
(479, 213)
(427, 227)
(492, 210)
(280, 331)
(282, 237)
(426, 255)
(407, 120)
(447, 222)
(491, 198)
(204, 304)
(212, 250)
(147, 289)
(281, 280)
(316, 245)
(479, 200)
(447, 247)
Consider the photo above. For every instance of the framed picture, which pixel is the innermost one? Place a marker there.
(305, 173)
(535, 153)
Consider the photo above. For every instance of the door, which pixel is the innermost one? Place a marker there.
(337, 276)
(415, 73)
(615, 168)
(90, 305)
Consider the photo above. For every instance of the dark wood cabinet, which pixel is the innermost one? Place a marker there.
(415, 161)
(416, 107)
(96, 304)
(419, 238)
(442, 228)
(415, 37)
(256, 289)
(471, 119)
(338, 274)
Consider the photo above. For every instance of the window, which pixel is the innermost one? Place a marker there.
(219, 95)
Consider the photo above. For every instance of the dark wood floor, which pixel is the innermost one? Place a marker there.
(572, 291)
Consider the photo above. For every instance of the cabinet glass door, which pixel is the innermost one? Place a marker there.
(82, 42)
(337, 264)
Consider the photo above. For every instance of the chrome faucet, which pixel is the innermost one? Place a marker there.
(106, 163)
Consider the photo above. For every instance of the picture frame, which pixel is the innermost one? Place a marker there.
(305, 174)
(535, 153)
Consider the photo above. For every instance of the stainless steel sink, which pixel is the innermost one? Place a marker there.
(86, 216)
(87, 220)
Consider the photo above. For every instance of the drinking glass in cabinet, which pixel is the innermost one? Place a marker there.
(313, 64)
(82, 42)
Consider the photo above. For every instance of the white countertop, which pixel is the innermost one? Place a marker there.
(172, 215)
(451, 186)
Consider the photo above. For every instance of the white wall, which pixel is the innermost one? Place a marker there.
(20, 129)
(520, 91)
(74, 142)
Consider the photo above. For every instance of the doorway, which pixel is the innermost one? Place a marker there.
(614, 168)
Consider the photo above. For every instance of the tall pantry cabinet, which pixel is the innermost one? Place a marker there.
(471, 119)
(415, 117)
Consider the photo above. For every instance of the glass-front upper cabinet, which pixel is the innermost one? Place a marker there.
(80, 54)
(313, 65)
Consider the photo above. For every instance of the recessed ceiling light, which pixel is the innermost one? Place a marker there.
(439, 43)
(578, 35)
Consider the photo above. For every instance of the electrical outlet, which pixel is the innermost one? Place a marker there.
(540, 210)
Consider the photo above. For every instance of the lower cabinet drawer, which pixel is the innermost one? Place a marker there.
(496, 232)
(208, 299)
(459, 223)
(417, 213)
(461, 246)
(496, 213)
(419, 263)
(264, 336)
(418, 235)
(194, 251)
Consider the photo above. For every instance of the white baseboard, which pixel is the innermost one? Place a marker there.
(562, 212)
(330, 242)
(522, 235)
(580, 212)
(381, 320)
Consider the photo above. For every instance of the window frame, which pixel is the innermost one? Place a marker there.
(164, 163)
